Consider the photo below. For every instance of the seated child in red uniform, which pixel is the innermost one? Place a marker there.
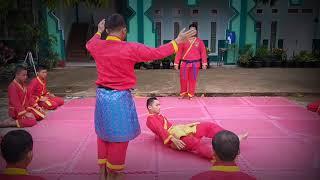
(226, 146)
(40, 93)
(16, 150)
(22, 110)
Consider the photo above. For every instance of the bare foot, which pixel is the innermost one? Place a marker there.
(115, 176)
(103, 173)
(190, 96)
(243, 136)
(183, 96)
(8, 123)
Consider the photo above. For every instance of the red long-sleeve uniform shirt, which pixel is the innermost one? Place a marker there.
(159, 125)
(197, 51)
(115, 59)
(19, 99)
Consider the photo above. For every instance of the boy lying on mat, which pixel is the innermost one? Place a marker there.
(184, 137)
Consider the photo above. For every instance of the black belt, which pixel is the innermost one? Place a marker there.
(110, 89)
(191, 61)
(106, 88)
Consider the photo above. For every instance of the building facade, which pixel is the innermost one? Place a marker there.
(292, 25)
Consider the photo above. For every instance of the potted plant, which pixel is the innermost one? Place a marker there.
(246, 56)
(256, 63)
(279, 57)
(51, 61)
(166, 62)
(261, 56)
(138, 65)
(316, 55)
(310, 60)
(156, 64)
(147, 65)
(317, 63)
(304, 59)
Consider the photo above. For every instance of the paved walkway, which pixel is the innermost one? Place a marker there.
(300, 84)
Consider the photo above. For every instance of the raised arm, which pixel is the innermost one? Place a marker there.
(95, 40)
(142, 53)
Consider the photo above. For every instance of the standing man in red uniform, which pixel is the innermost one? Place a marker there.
(116, 120)
(39, 92)
(23, 111)
(191, 54)
(226, 146)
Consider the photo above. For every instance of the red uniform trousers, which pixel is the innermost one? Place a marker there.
(188, 81)
(112, 155)
(23, 121)
(52, 103)
(192, 141)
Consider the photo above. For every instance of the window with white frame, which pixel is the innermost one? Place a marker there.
(176, 12)
(194, 12)
(158, 12)
(214, 11)
(158, 33)
(213, 39)
(259, 11)
(176, 29)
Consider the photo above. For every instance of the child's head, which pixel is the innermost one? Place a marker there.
(226, 145)
(42, 72)
(194, 27)
(21, 73)
(153, 105)
(16, 148)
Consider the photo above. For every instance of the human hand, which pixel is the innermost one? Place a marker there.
(178, 143)
(101, 25)
(176, 67)
(43, 99)
(29, 115)
(185, 35)
(204, 66)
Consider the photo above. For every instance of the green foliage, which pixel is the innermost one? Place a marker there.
(169, 58)
(279, 54)
(52, 4)
(270, 2)
(246, 50)
(5, 6)
(7, 72)
(304, 56)
(262, 52)
(246, 55)
(51, 61)
(31, 34)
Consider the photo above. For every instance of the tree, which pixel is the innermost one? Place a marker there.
(52, 4)
(5, 6)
